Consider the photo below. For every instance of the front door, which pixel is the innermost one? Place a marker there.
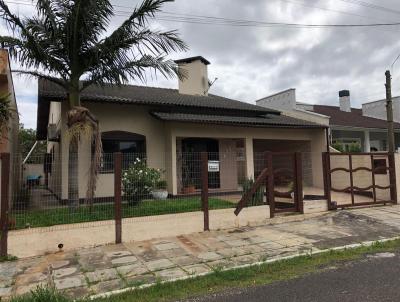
(191, 166)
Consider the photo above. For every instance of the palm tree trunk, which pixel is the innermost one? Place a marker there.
(73, 175)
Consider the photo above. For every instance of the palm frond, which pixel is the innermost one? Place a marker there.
(40, 75)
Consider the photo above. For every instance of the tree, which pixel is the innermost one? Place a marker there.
(66, 40)
(26, 139)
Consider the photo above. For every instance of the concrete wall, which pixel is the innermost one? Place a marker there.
(308, 116)
(33, 169)
(285, 100)
(377, 109)
(33, 242)
(9, 135)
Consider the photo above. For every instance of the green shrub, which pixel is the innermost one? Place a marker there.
(338, 146)
(139, 180)
(257, 198)
(161, 185)
(355, 147)
(42, 294)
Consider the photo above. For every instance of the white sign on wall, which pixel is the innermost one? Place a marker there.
(213, 166)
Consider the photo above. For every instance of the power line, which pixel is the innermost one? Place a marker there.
(211, 20)
(331, 10)
(372, 6)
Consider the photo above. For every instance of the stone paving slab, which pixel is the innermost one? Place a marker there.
(97, 270)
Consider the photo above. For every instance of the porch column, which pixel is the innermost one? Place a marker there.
(367, 144)
(249, 157)
(170, 164)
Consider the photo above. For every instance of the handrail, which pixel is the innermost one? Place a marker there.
(246, 197)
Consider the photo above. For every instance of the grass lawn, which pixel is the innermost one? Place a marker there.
(244, 277)
(65, 215)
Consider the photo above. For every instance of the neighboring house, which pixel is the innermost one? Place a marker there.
(165, 124)
(348, 125)
(9, 141)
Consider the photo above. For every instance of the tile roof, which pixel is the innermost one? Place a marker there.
(149, 96)
(351, 119)
(269, 120)
(211, 108)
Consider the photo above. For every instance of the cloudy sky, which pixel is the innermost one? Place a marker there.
(252, 62)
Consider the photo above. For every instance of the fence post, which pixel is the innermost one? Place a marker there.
(299, 182)
(327, 178)
(392, 178)
(117, 196)
(4, 207)
(270, 184)
(204, 189)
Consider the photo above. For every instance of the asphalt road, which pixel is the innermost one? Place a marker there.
(374, 278)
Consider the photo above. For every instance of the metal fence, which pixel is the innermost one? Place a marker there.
(137, 186)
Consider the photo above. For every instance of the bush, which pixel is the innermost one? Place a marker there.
(161, 185)
(42, 294)
(355, 147)
(257, 198)
(139, 180)
(338, 146)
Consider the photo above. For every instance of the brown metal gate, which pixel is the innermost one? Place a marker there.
(282, 177)
(359, 179)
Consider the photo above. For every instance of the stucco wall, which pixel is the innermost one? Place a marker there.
(195, 80)
(55, 148)
(28, 243)
(161, 143)
(377, 109)
(128, 118)
(9, 136)
(316, 137)
(285, 100)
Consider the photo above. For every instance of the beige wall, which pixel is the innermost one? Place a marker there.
(315, 136)
(9, 136)
(56, 149)
(129, 118)
(362, 179)
(9, 139)
(29, 243)
(161, 144)
(196, 80)
(34, 169)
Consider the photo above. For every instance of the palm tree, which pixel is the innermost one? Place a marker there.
(66, 40)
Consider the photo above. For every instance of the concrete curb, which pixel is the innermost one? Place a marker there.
(316, 252)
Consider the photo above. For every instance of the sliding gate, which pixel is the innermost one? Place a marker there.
(359, 179)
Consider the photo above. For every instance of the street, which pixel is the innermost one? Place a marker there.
(374, 278)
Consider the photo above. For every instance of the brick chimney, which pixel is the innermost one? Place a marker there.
(195, 81)
(344, 100)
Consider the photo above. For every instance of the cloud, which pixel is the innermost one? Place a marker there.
(251, 63)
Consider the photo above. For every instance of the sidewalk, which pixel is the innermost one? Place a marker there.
(102, 269)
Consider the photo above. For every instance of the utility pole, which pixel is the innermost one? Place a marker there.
(389, 111)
